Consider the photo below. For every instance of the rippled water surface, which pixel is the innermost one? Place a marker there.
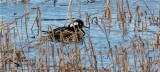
(25, 35)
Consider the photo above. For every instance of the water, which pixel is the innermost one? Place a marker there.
(11, 11)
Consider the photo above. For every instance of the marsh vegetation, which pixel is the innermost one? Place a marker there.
(122, 36)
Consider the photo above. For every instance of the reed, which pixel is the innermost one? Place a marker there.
(79, 9)
(133, 52)
(129, 12)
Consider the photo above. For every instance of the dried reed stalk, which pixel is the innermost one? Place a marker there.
(123, 18)
(129, 12)
(125, 60)
(139, 8)
(118, 9)
(153, 18)
(79, 9)
(39, 20)
(107, 11)
(70, 10)
(157, 40)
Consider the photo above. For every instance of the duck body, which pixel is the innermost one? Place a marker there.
(72, 33)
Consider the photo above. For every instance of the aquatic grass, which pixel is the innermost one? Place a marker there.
(133, 55)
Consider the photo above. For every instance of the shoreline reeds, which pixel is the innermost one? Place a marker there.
(137, 53)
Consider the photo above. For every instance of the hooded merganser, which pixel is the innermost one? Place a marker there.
(72, 33)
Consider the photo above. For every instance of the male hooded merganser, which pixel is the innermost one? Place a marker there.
(72, 33)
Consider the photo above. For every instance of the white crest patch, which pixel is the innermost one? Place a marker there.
(75, 23)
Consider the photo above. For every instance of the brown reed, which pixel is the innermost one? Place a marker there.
(69, 57)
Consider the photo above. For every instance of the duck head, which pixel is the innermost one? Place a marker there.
(77, 24)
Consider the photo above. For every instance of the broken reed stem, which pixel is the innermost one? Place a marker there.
(122, 7)
(26, 26)
(61, 59)
(85, 55)
(1, 22)
(34, 23)
(140, 51)
(26, 23)
(135, 54)
(79, 9)
(77, 59)
(117, 59)
(153, 18)
(69, 11)
(107, 11)
(142, 28)
(108, 2)
(138, 16)
(144, 13)
(89, 56)
(7, 46)
(14, 49)
(129, 12)
(47, 54)
(88, 17)
(123, 18)
(27, 17)
(111, 54)
(118, 10)
(94, 56)
(125, 60)
(39, 21)
(100, 52)
(157, 40)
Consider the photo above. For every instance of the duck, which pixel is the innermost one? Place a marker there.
(72, 33)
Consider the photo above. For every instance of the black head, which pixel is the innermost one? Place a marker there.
(77, 23)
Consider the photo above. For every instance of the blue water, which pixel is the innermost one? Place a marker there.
(10, 11)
